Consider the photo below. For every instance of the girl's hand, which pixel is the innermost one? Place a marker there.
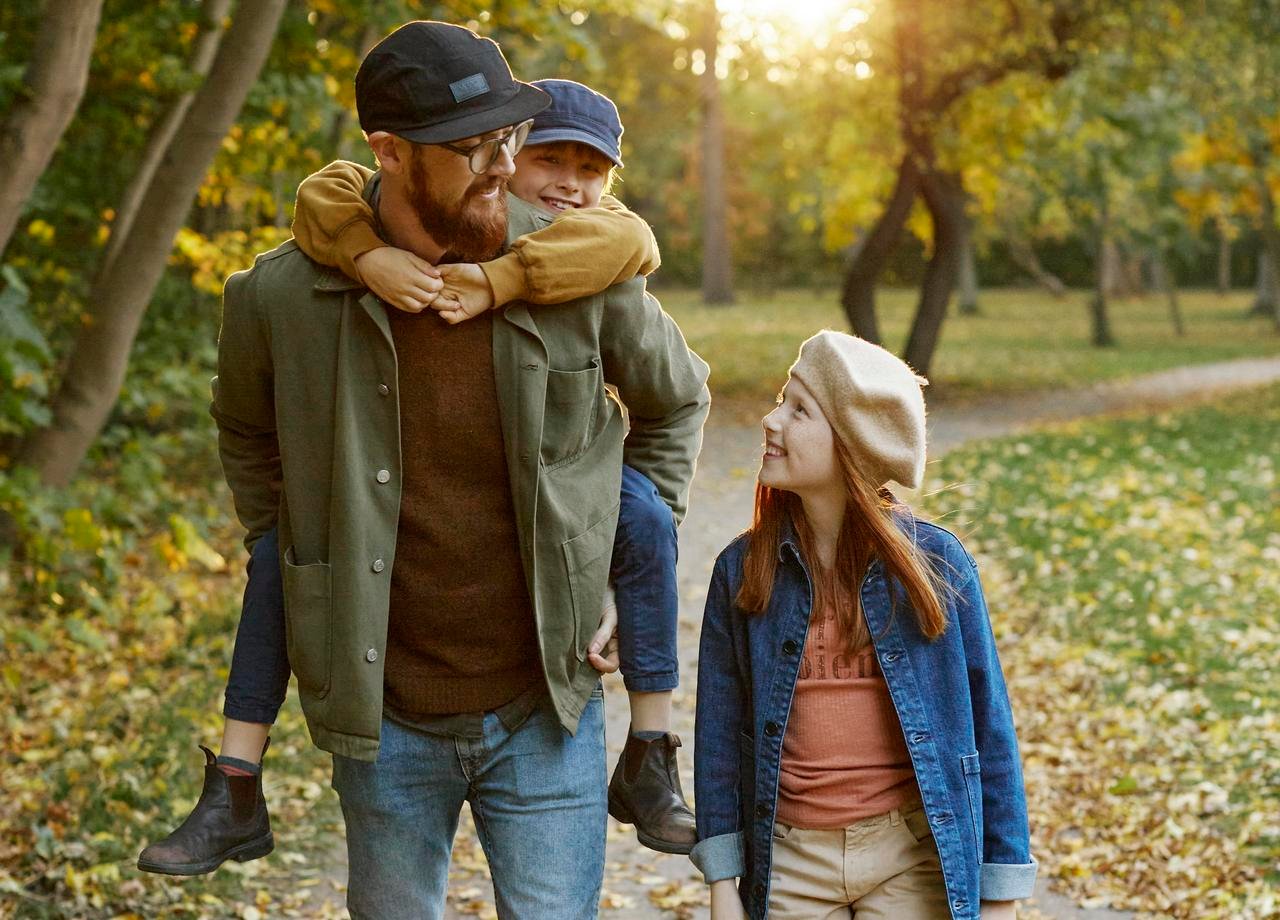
(466, 292)
(602, 653)
(400, 278)
(725, 903)
(999, 910)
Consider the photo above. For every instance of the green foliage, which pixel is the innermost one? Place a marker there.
(24, 356)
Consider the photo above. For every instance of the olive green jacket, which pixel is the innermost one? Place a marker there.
(308, 412)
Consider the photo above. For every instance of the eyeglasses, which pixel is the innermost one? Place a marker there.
(484, 154)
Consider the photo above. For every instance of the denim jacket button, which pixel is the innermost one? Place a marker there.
(762, 810)
(771, 729)
(759, 892)
(790, 647)
(959, 903)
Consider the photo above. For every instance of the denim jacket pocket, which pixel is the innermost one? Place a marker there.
(973, 785)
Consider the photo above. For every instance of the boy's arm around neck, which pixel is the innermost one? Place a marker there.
(332, 222)
(583, 252)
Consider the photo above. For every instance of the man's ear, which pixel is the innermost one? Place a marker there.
(392, 152)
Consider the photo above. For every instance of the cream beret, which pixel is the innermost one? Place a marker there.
(873, 401)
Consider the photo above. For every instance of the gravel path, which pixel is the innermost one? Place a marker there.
(640, 883)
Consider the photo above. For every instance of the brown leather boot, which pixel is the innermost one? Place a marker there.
(645, 791)
(229, 822)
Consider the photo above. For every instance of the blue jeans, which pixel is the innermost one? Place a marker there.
(538, 797)
(644, 580)
(644, 585)
(259, 675)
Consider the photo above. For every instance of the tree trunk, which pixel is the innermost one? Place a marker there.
(1101, 323)
(1163, 280)
(968, 300)
(1267, 291)
(1111, 269)
(1224, 259)
(1024, 256)
(339, 138)
(858, 296)
(46, 102)
(944, 196)
(717, 259)
(203, 49)
(1271, 247)
(100, 353)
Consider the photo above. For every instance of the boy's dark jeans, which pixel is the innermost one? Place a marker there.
(644, 584)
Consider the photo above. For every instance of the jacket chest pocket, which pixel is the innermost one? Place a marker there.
(570, 412)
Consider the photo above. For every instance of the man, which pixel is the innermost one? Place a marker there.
(446, 498)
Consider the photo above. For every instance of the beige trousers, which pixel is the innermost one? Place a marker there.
(885, 867)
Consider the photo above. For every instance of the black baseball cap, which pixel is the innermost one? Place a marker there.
(434, 82)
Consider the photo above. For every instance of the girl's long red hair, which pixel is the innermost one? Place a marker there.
(869, 533)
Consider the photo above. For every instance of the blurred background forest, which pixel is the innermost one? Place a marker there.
(1013, 194)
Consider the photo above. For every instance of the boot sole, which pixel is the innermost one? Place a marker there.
(253, 849)
(623, 814)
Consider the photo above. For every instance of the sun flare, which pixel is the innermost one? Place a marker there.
(805, 19)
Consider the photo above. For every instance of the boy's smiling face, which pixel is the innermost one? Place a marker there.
(561, 175)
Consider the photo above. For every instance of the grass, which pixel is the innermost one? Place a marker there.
(1133, 572)
(1023, 339)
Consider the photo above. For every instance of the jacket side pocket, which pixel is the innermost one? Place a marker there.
(973, 785)
(587, 558)
(308, 605)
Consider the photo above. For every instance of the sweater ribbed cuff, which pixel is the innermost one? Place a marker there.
(507, 278)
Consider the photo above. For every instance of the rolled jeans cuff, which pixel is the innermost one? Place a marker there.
(248, 712)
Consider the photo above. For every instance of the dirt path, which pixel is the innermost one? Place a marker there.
(640, 883)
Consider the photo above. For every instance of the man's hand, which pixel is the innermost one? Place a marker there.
(466, 292)
(602, 653)
(400, 278)
(725, 903)
(999, 910)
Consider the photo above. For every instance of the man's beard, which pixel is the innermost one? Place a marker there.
(473, 229)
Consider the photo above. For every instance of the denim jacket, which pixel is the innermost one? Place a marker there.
(950, 698)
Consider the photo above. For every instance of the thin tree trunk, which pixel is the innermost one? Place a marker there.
(100, 353)
(1271, 247)
(45, 103)
(717, 260)
(339, 138)
(968, 282)
(944, 196)
(1101, 323)
(203, 49)
(858, 296)
(1224, 259)
(1163, 280)
(1024, 256)
(1267, 292)
(1111, 267)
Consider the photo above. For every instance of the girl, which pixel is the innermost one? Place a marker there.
(855, 751)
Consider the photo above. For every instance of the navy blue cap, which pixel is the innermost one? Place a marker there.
(578, 113)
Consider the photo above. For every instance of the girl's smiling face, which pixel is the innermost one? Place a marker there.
(799, 450)
(561, 175)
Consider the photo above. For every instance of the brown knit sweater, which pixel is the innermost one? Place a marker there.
(461, 635)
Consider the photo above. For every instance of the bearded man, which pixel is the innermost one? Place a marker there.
(446, 499)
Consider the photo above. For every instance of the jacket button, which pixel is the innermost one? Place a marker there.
(771, 729)
(959, 903)
(790, 647)
(371, 655)
(384, 390)
(384, 476)
(762, 810)
(378, 565)
(758, 891)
